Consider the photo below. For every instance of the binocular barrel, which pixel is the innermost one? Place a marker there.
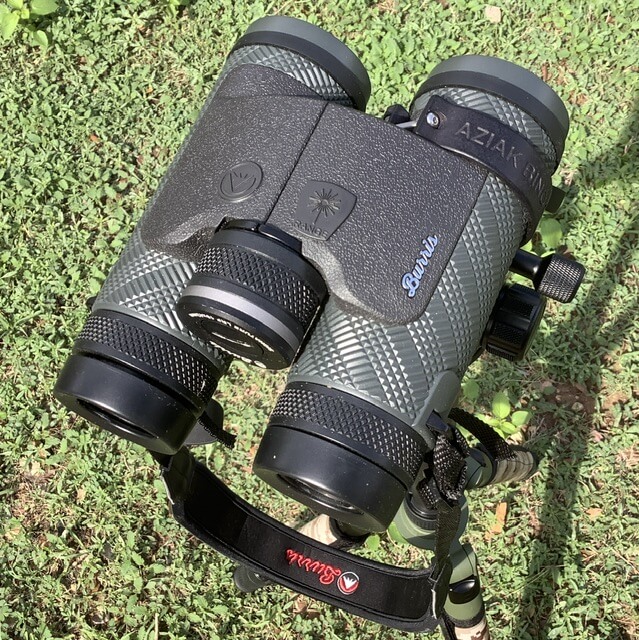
(360, 392)
(135, 369)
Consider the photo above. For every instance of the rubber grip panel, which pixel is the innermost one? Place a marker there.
(378, 210)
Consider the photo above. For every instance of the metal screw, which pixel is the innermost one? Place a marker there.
(432, 119)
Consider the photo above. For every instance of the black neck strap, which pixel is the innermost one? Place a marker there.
(406, 599)
(496, 146)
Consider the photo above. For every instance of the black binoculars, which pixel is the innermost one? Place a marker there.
(367, 254)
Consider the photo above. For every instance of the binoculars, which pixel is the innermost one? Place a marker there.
(367, 254)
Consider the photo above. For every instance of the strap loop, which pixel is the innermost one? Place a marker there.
(496, 446)
(502, 150)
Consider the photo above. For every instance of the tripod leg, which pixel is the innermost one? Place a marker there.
(464, 609)
(464, 616)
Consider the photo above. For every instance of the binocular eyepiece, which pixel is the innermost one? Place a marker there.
(253, 294)
(293, 230)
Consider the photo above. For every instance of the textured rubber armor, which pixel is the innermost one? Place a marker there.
(194, 373)
(399, 445)
(397, 367)
(148, 283)
(173, 377)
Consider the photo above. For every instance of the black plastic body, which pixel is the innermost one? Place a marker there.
(379, 176)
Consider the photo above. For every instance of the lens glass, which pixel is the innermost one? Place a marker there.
(320, 496)
(115, 422)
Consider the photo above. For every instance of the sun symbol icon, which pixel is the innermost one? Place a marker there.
(325, 202)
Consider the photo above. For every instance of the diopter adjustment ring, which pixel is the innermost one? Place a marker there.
(253, 295)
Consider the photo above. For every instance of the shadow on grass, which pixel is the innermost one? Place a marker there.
(565, 450)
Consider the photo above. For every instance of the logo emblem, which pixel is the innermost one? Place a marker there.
(412, 279)
(239, 182)
(348, 582)
(325, 202)
(326, 572)
(321, 209)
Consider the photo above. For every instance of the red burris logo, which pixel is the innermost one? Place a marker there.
(347, 582)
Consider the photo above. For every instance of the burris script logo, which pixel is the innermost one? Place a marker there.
(412, 279)
(347, 582)
(321, 209)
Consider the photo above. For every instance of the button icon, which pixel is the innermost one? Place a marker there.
(239, 182)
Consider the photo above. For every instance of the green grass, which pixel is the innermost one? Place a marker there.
(88, 126)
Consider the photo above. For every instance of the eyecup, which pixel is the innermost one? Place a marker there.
(339, 455)
(124, 403)
(358, 492)
(317, 45)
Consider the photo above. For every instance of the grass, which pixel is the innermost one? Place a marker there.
(88, 127)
